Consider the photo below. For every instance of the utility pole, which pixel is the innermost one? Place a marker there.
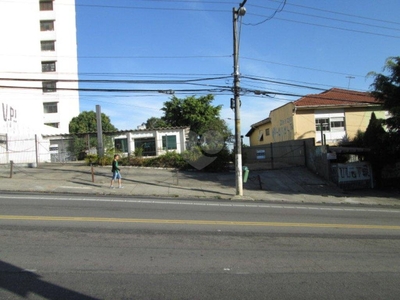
(100, 147)
(237, 13)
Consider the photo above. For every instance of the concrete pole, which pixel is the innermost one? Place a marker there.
(236, 93)
(100, 147)
(36, 151)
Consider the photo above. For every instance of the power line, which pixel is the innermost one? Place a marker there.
(266, 18)
(194, 82)
(186, 81)
(278, 10)
(299, 67)
(330, 18)
(339, 13)
(339, 28)
(157, 57)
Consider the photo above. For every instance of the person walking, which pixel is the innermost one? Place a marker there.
(116, 173)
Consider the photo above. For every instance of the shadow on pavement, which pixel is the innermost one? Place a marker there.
(293, 180)
(22, 283)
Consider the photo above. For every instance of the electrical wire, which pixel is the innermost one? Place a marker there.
(278, 10)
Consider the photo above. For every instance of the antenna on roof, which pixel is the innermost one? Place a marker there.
(350, 78)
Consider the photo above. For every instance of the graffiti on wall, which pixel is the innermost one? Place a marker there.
(284, 131)
(9, 114)
(354, 172)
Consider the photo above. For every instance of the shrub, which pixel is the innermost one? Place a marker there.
(138, 152)
(91, 159)
(168, 160)
(105, 160)
(221, 163)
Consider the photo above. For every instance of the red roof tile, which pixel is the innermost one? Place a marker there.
(337, 97)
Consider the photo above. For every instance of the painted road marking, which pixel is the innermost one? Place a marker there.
(203, 203)
(195, 222)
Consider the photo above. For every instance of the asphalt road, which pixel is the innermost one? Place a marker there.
(80, 247)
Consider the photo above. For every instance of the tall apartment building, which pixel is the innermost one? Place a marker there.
(38, 66)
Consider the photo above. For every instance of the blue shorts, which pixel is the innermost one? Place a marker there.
(116, 175)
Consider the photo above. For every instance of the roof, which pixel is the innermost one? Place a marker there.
(255, 125)
(337, 97)
(262, 122)
(118, 131)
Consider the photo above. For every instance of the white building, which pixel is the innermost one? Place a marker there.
(152, 142)
(38, 71)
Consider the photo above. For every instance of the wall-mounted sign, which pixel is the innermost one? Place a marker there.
(260, 154)
(354, 172)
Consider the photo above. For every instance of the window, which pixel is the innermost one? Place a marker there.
(260, 136)
(48, 66)
(3, 138)
(46, 5)
(121, 145)
(267, 131)
(330, 124)
(49, 86)
(322, 123)
(47, 45)
(337, 123)
(50, 107)
(147, 144)
(47, 25)
(169, 142)
(55, 125)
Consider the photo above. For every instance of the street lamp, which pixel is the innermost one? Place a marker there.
(237, 13)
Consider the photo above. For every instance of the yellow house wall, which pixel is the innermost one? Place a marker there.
(285, 125)
(282, 124)
(305, 124)
(255, 137)
(358, 119)
(281, 127)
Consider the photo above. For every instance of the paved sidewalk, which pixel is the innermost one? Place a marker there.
(294, 184)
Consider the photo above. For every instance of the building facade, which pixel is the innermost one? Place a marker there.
(330, 117)
(38, 66)
(151, 142)
(38, 70)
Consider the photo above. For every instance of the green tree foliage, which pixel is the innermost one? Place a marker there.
(81, 126)
(385, 144)
(198, 113)
(154, 122)
(376, 139)
(86, 122)
(208, 132)
(374, 135)
(386, 89)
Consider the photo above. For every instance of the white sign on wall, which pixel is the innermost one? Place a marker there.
(354, 172)
(260, 154)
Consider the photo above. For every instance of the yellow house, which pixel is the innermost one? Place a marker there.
(338, 113)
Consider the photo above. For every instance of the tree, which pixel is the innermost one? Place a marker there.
(86, 122)
(385, 147)
(374, 134)
(154, 122)
(206, 147)
(375, 138)
(198, 113)
(386, 89)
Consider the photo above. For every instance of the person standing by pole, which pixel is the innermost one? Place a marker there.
(116, 173)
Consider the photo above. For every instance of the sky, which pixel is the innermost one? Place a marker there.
(144, 50)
